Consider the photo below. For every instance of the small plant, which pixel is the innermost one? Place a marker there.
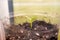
(31, 19)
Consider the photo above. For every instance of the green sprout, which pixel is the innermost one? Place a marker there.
(31, 19)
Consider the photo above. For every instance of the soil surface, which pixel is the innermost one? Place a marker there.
(40, 31)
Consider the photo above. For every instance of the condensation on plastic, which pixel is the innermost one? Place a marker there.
(44, 16)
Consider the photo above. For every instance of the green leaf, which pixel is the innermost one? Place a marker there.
(31, 19)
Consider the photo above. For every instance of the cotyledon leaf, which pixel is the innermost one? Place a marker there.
(31, 19)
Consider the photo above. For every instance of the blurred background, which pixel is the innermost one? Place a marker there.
(10, 10)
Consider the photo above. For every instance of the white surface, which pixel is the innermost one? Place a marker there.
(4, 12)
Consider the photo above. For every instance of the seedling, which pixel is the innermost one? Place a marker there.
(31, 19)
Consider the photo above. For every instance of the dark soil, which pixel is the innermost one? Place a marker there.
(40, 31)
